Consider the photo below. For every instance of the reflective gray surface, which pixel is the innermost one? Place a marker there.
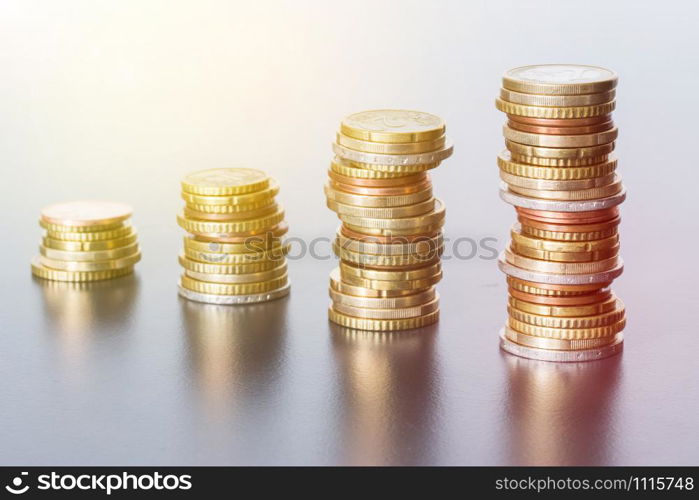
(117, 101)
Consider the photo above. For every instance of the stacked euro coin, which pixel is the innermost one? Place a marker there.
(86, 241)
(390, 240)
(234, 252)
(559, 172)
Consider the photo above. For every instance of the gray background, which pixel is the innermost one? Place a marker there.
(117, 100)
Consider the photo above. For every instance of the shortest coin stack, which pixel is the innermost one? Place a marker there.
(86, 241)
(234, 253)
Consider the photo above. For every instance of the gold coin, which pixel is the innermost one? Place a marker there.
(232, 288)
(557, 344)
(560, 141)
(406, 260)
(251, 236)
(510, 167)
(90, 255)
(382, 325)
(230, 227)
(86, 214)
(252, 245)
(242, 199)
(105, 265)
(373, 201)
(567, 333)
(523, 240)
(561, 267)
(387, 314)
(225, 181)
(599, 320)
(397, 170)
(345, 288)
(415, 284)
(554, 113)
(421, 208)
(349, 169)
(111, 234)
(393, 126)
(88, 246)
(568, 236)
(564, 311)
(577, 195)
(253, 266)
(592, 255)
(405, 148)
(559, 79)
(433, 218)
(557, 101)
(256, 277)
(277, 253)
(40, 271)
(430, 271)
(414, 299)
(395, 232)
(540, 152)
(60, 228)
(560, 162)
(555, 185)
(428, 245)
(241, 209)
(235, 216)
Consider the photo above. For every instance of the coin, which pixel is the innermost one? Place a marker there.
(358, 171)
(232, 288)
(235, 216)
(557, 344)
(86, 214)
(422, 247)
(558, 122)
(544, 266)
(386, 260)
(395, 162)
(271, 274)
(216, 228)
(382, 324)
(560, 130)
(561, 206)
(89, 255)
(564, 311)
(387, 314)
(390, 149)
(605, 276)
(560, 79)
(235, 299)
(380, 182)
(577, 355)
(560, 101)
(393, 126)
(411, 300)
(435, 217)
(363, 200)
(591, 217)
(225, 181)
(338, 285)
(550, 112)
(511, 167)
(560, 141)
(556, 185)
(251, 266)
(277, 253)
(381, 191)
(562, 246)
(560, 162)
(569, 322)
(419, 208)
(87, 246)
(567, 333)
(41, 271)
(240, 199)
(103, 265)
(559, 153)
(530, 287)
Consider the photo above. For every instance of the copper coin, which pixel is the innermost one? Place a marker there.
(590, 217)
(387, 239)
(577, 289)
(575, 300)
(377, 183)
(570, 228)
(382, 191)
(553, 122)
(536, 129)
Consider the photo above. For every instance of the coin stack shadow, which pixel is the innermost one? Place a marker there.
(558, 172)
(86, 241)
(390, 240)
(234, 252)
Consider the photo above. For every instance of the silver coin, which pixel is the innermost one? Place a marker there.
(394, 160)
(234, 299)
(562, 356)
(559, 279)
(560, 206)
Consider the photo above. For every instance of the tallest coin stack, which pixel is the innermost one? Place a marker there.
(559, 173)
(390, 240)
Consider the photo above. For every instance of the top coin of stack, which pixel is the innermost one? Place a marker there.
(86, 241)
(559, 173)
(390, 240)
(234, 253)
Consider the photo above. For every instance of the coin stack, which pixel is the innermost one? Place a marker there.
(86, 241)
(390, 240)
(559, 173)
(234, 252)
